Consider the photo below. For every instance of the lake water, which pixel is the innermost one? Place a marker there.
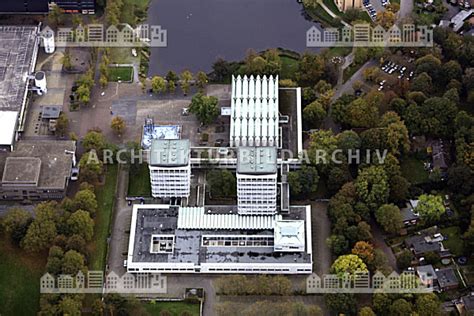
(200, 31)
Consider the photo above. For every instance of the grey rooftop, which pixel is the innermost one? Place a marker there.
(169, 153)
(257, 160)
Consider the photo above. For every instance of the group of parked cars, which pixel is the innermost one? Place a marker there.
(463, 4)
(370, 9)
(391, 67)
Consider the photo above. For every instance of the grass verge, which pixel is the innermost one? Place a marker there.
(120, 73)
(105, 200)
(20, 275)
(139, 183)
(174, 308)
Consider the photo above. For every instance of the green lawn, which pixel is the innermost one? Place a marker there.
(139, 181)
(20, 275)
(320, 15)
(454, 243)
(333, 7)
(174, 308)
(413, 170)
(337, 51)
(120, 73)
(105, 200)
(289, 66)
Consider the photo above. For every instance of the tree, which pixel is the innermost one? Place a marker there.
(91, 167)
(366, 311)
(66, 61)
(400, 307)
(404, 259)
(361, 113)
(83, 94)
(201, 81)
(386, 19)
(158, 84)
(221, 70)
(77, 243)
(85, 200)
(55, 260)
(338, 244)
(94, 140)
(372, 186)
(365, 251)
(62, 124)
(337, 177)
(118, 125)
(399, 187)
(186, 77)
(16, 224)
(40, 235)
(222, 183)
(348, 264)
(56, 15)
(273, 62)
(389, 217)
(422, 83)
(310, 69)
(81, 223)
(205, 108)
(314, 113)
(430, 207)
(341, 303)
(428, 305)
(73, 262)
(70, 306)
(303, 181)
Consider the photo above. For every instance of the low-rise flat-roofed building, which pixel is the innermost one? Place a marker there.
(18, 52)
(162, 241)
(257, 180)
(254, 111)
(38, 170)
(170, 168)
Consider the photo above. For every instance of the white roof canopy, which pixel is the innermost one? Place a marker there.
(254, 118)
(8, 122)
(199, 218)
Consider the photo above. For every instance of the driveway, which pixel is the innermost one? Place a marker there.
(347, 86)
(121, 223)
(406, 8)
(379, 242)
(321, 229)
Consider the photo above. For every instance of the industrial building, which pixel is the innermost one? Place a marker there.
(170, 168)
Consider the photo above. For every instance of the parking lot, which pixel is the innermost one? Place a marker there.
(395, 71)
(374, 6)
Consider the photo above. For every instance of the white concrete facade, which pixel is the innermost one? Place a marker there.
(257, 194)
(170, 181)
